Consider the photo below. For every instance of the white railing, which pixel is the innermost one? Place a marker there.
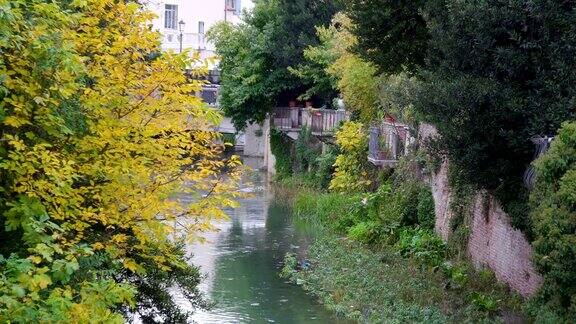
(319, 121)
(196, 41)
(388, 142)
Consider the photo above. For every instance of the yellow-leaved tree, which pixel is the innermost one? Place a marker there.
(351, 168)
(107, 159)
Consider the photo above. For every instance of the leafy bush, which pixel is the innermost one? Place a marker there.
(456, 274)
(423, 245)
(410, 203)
(554, 218)
(324, 167)
(425, 208)
(307, 150)
(364, 232)
(484, 303)
(289, 267)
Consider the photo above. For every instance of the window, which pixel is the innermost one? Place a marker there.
(200, 27)
(171, 16)
(230, 4)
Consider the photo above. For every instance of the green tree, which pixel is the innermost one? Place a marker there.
(554, 216)
(256, 55)
(391, 33)
(97, 134)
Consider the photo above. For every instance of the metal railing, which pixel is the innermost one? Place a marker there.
(387, 143)
(283, 118)
(197, 41)
(324, 120)
(320, 121)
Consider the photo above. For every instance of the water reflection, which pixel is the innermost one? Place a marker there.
(242, 261)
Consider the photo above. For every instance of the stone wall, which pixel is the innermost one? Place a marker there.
(493, 242)
(269, 158)
(254, 142)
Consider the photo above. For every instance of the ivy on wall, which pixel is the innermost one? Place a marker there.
(281, 147)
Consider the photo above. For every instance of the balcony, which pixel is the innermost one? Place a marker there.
(388, 142)
(322, 122)
(195, 41)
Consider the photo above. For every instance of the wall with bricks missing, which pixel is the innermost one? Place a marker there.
(493, 242)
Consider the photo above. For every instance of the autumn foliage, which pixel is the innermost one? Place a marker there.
(98, 132)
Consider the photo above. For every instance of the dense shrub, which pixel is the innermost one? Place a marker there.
(423, 245)
(324, 167)
(425, 209)
(554, 218)
(365, 232)
(307, 150)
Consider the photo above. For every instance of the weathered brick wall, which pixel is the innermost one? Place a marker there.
(493, 242)
(496, 244)
(442, 199)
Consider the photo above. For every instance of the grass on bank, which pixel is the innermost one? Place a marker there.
(371, 269)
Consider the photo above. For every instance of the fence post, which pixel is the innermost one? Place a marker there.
(373, 142)
(294, 112)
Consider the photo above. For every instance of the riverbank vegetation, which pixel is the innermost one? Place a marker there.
(376, 256)
(98, 133)
(492, 78)
(378, 259)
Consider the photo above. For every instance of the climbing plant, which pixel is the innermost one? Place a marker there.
(281, 147)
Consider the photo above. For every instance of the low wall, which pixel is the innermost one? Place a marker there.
(269, 158)
(493, 242)
(254, 143)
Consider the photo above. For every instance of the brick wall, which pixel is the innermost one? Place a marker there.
(496, 244)
(493, 242)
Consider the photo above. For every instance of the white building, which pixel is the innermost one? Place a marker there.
(193, 18)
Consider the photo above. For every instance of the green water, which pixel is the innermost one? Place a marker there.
(242, 262)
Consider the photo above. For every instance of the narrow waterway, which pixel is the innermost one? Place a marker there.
(242, 260)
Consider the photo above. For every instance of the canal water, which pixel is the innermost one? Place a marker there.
(242, 260)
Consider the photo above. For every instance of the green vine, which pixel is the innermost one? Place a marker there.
(281, 147)
(462, 200)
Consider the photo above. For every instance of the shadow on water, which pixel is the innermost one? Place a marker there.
(242, 262)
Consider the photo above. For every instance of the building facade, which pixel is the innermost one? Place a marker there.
(192, 19)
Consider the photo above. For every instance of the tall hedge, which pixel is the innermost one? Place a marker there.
(554, 218)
